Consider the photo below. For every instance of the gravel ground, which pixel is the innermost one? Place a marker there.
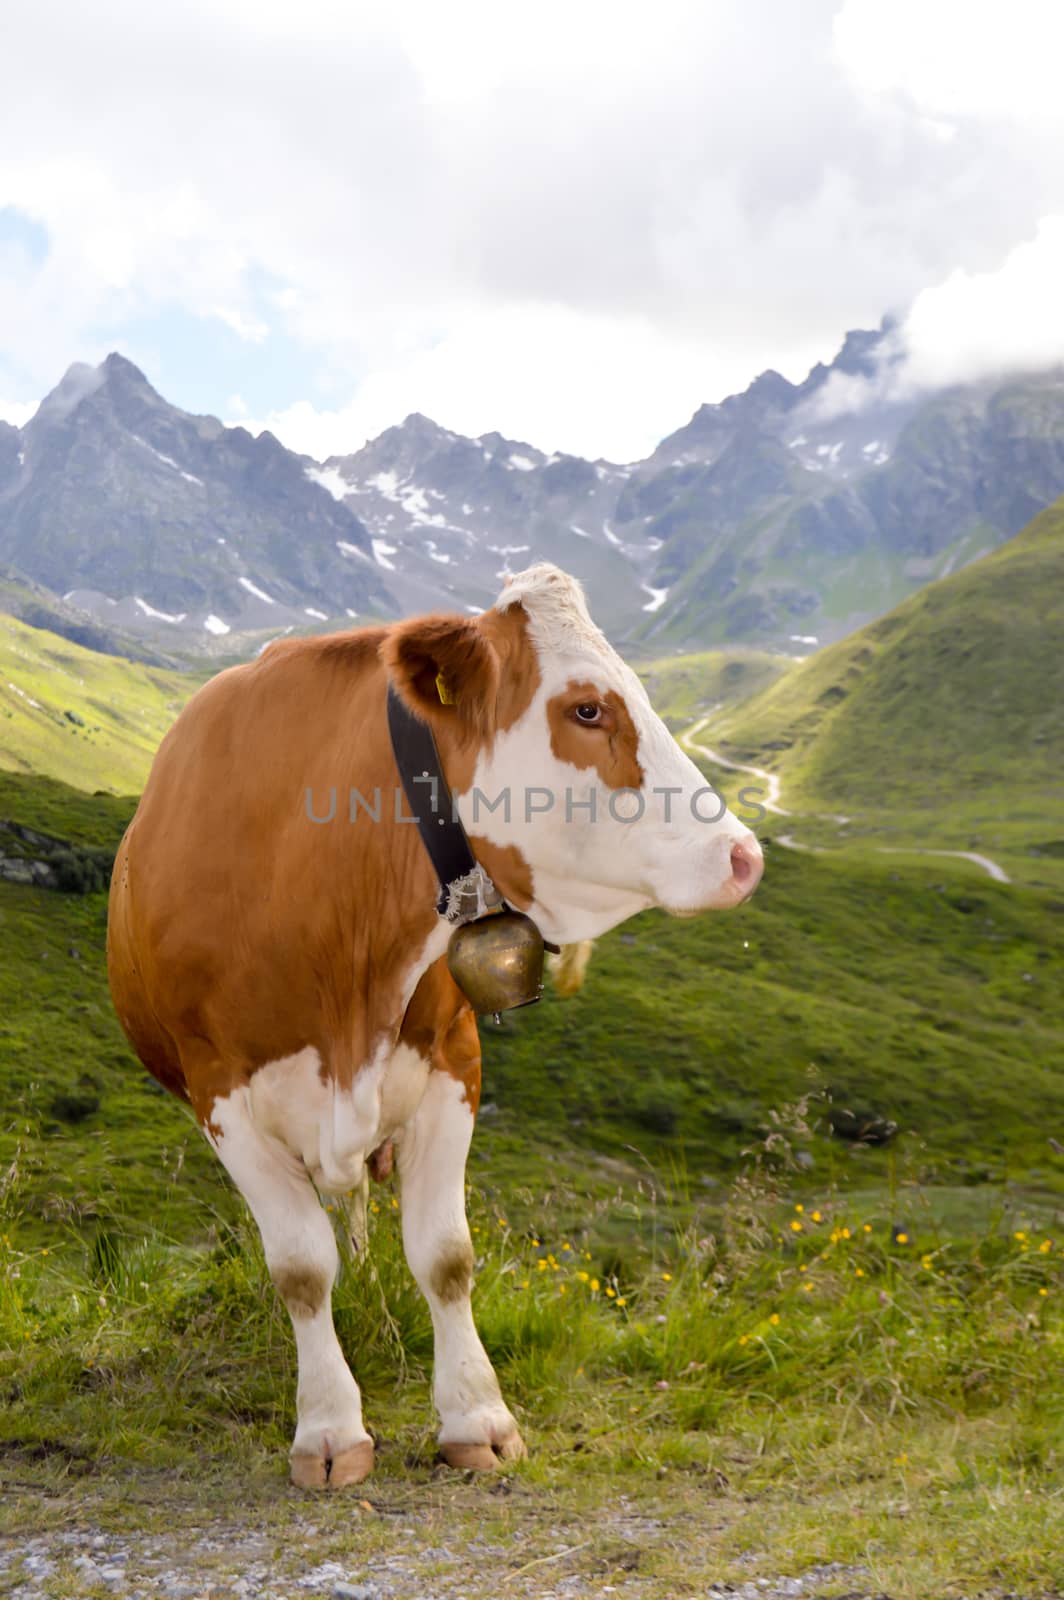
(229, 1560)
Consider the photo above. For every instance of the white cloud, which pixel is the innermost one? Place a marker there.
(246, 328)
(543, 374)
(958, 57)
(17, 412)
(975, 324)
(573, 228)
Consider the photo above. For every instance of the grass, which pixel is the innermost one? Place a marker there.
(903, 1416)
(922, 996)
(684, 686)
(92, 721)
(786, 1382)
(958, 692)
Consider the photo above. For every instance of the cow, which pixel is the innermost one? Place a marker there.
(278, 959)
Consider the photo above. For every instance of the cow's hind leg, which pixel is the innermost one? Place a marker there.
(476, 1427)
(331, 1445)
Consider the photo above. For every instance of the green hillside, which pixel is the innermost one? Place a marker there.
(684, 686)
(901, 992)
(92, 721)
(961, 685)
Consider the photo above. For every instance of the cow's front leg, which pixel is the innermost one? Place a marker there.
(476, 1427)
(331, 1445)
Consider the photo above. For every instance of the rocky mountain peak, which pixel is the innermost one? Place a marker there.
(787, 513)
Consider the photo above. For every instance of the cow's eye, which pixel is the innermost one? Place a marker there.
(588, 713)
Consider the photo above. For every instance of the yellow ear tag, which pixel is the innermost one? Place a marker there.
(446, 697)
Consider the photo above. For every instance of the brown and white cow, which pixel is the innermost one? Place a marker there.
(287, 977)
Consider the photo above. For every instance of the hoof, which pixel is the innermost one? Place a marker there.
(317, 1472)
(309, 1472)
(352, 1465)
(484, 1457)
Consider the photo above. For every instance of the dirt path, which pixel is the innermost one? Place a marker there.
(771, 779)
(434, 1542)
(687, 739)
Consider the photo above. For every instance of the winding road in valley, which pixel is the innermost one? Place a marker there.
(689, 740)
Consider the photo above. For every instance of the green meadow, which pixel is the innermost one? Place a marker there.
(769, 1218)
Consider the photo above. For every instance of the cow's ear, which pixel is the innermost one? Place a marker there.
(446, 670)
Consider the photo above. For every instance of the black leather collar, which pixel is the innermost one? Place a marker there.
(466, 891)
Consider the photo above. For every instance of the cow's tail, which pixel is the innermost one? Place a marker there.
(567, 968)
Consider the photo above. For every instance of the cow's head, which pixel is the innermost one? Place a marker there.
(575, 795)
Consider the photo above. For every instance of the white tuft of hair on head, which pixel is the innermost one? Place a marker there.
(556, 606)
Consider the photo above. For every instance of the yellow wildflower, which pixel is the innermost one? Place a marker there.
(845, 1233)
(582, 1276)
(621, 1301)
(594, 1286)
(902, 1238)
(796, 1227)
(612, 1293)
(859, 1273)
(799, 1208)
(775, 1319)
(744, 1338)
(541, 1264)
(868, 1227)
(1043, 1291)
(666, 1277)
(1045, 1247)
(817, 1217)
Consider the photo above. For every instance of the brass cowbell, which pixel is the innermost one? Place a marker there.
(497, 962)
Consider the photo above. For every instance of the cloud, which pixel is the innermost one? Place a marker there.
(246, 328)
(543, 374)
(17, 412)
(976, 324)
(573, 228)
(958, 57)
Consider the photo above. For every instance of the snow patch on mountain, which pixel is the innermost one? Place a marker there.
(167, 461)
(260, 594)
(347, 549)
(163, 616)
(332, 480)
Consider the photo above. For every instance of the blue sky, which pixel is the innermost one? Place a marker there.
(198, 360)
(574, 226)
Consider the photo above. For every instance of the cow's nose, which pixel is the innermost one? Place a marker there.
(747, 864)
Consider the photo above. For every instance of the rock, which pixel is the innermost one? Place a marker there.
(356, 1591)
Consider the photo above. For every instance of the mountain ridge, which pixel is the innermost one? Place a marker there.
(783, 516)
